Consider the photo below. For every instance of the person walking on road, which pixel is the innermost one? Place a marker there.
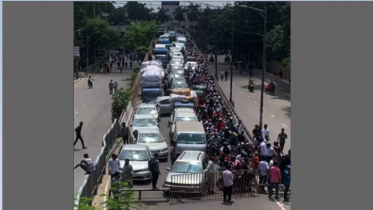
(115, 86)
(286, 181)
(282, 138)
(263, 172)
(226, 75)
(228, 184)
(111, 87)
(212, 168)
(78, 133)
(86, 164)
(154, 169)
(222, 75)
(265, 131)
(114, 165)
(270, 152)
(127, 172)
(124, 133)
(263, 150)
(275, 180)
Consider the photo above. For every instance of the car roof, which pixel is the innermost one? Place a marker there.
(163, 97)
(146, 105)
(191, 156)
(186, 114)
(134, 147)
(190, 126)
(143, 116)
(149, 130)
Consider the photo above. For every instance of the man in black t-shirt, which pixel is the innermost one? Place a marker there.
(282, 138)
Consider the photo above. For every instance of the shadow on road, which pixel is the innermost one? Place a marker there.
(287, 111)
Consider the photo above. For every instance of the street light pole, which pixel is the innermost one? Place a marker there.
(230, 96)
(264, 66)
(87, 54)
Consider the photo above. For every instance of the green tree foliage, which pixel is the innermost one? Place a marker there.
(193, 13)
(84, 204)
(120, 101)
(138, 11)
(179, 14)
(161, 16)
(121, 200)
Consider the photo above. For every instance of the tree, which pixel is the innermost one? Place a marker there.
(161, 16)
(123, 197)
(138, 11)
(120, 101)
(193, 13)
(179, 14)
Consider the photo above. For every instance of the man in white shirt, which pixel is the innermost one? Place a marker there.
(263, 150)
(270, 152)
(263, 172)
(228, 184)
(211, 170)
(265, 131)
(114, 165)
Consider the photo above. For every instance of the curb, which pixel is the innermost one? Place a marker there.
(77, 80)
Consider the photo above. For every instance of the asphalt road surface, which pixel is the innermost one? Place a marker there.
(276, 112)
(93, 108)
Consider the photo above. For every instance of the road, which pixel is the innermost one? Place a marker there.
(276, 112)
(93, 107)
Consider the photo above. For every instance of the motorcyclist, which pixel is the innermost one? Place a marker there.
(90, 83)
(272, 87)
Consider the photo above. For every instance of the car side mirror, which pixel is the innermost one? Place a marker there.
(168, 169)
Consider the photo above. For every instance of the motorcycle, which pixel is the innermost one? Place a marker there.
(270, 90)
(251, 86)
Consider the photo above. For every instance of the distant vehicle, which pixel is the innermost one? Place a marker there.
(151, 93)
(181, 39)
(189, 162)
(180, 115)
(147, 109)
(153, 138)
(163, 105)
(139, 156)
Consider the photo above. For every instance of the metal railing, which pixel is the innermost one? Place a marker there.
(210, 185)
(91, 181)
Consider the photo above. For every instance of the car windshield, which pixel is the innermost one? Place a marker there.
(150, 138)
(191, 138)
(178, 119)
(144, 122)
(134, 155)
(147, 110)
(153, 102)
(192, 168)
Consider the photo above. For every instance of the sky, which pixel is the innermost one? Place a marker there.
(156, 4)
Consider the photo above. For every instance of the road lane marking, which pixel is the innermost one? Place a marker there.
(76, 112)
(254, 101)
(84, 105)
(279, 204)
(272, 116)
(283, 125)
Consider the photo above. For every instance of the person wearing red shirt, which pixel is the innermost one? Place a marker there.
(255, 162)
(220, 125)
(275, 175)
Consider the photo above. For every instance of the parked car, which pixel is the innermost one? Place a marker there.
(190, 136)
(139, 156)
(188, 171)
(179, 115)
(153, 138)
(163, 105)
(147, 109)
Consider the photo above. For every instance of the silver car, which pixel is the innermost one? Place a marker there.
(147, 109)
(188, 171)
(142, 121)
(181, 114)
(153, 138)
(139, 156)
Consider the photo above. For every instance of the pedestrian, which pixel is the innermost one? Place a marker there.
(174, 152)
(114, 165)
(228, 184)
(286, 181)
(222, 75)
(124, 133)
(263, 172)
(86, 164)
(115, 86)
(256, 131)
(127, 172)
(285, 160)
(111, 86)
(270, 152)
(282, 138)
(277, 149)
(211, 170)
(226, 75)
(154, 169)
(265, 131)
(275, 180)
(263, 150)
(255, 162)
(78, 134)
(118, 64)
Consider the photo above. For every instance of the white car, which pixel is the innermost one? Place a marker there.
(181, 39)
(141, 121)
(193, 64)
(147, 109)
(181, 114)
(178, 57)
(179, 44)
(153, 138)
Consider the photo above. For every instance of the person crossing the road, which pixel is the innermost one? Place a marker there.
(114, 165)
(78, 133)
(127, 172)
(115, 86)
(154, 169)
(124, 133)
(111, 87)
(86, 164)
(282, 138)
(265, 131)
